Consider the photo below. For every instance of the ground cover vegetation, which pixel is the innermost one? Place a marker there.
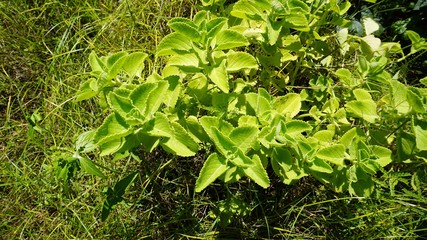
(213, 119)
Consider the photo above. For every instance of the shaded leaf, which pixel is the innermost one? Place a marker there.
(90, 167)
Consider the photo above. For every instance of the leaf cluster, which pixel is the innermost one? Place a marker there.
(280, 84)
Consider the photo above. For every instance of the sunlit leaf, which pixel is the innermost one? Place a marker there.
(113, 127)
(172, 44)
(366, 109)
(214, 167)
(244, 137)
(333, 154)
(228, 39)
(319, 165)
(420, 131)
(370, 25)
(218, 75)
(289, 105)
(185, 28)
(237, 61)
(134, 64)
(180, 143)
(257, 173)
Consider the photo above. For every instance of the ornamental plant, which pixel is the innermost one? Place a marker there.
(280, 84)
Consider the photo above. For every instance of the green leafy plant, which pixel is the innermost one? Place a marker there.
(277, 83)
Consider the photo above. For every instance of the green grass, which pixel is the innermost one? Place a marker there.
(44, 48)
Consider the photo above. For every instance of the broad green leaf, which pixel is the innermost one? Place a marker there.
(306, 149)
(90, 167)
(406, 145)
(173, 43)
(334, 154)
(121, 105)
(228, 39)
(173, 91)
(413, 36)
(331, 106)
(233, 174)
(369, 45)
(346, 77)
(247, 120)
(420, 130)
(237, 61)
(319, 165)
(115, 63)
(362, 188)
(342, 35)
(96, 63)
(250, 9)
(369, 166)
(188, 62)
(139, 96)
(114, 58)
(208, 122)
(293, 175)
(85, 142)
(134, 64)
(195, 129)
(223, 143)
(113, 127)
(112, 146)
(325, 136)
(415, 101)
(348, 137)
(257, 173)
(399, 96)
(366, 109)
(215, 25)
(361, 94)
(147, 141)
(383, 155)
(200, 17)
(299, 6)
(244, 137)
(370, 25)
(363, 65)
(182, 20)
(257, 104)
(294, 127)
(340, 7)
(273, 30)
(155, 98)
(296, 21)
(184, 28)
(239, 159)
(288, 105)
(281, 161)
(214, 167)
(180, 143)
(218, 75)
(159, 126)
(121, 186)
(85, 91)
